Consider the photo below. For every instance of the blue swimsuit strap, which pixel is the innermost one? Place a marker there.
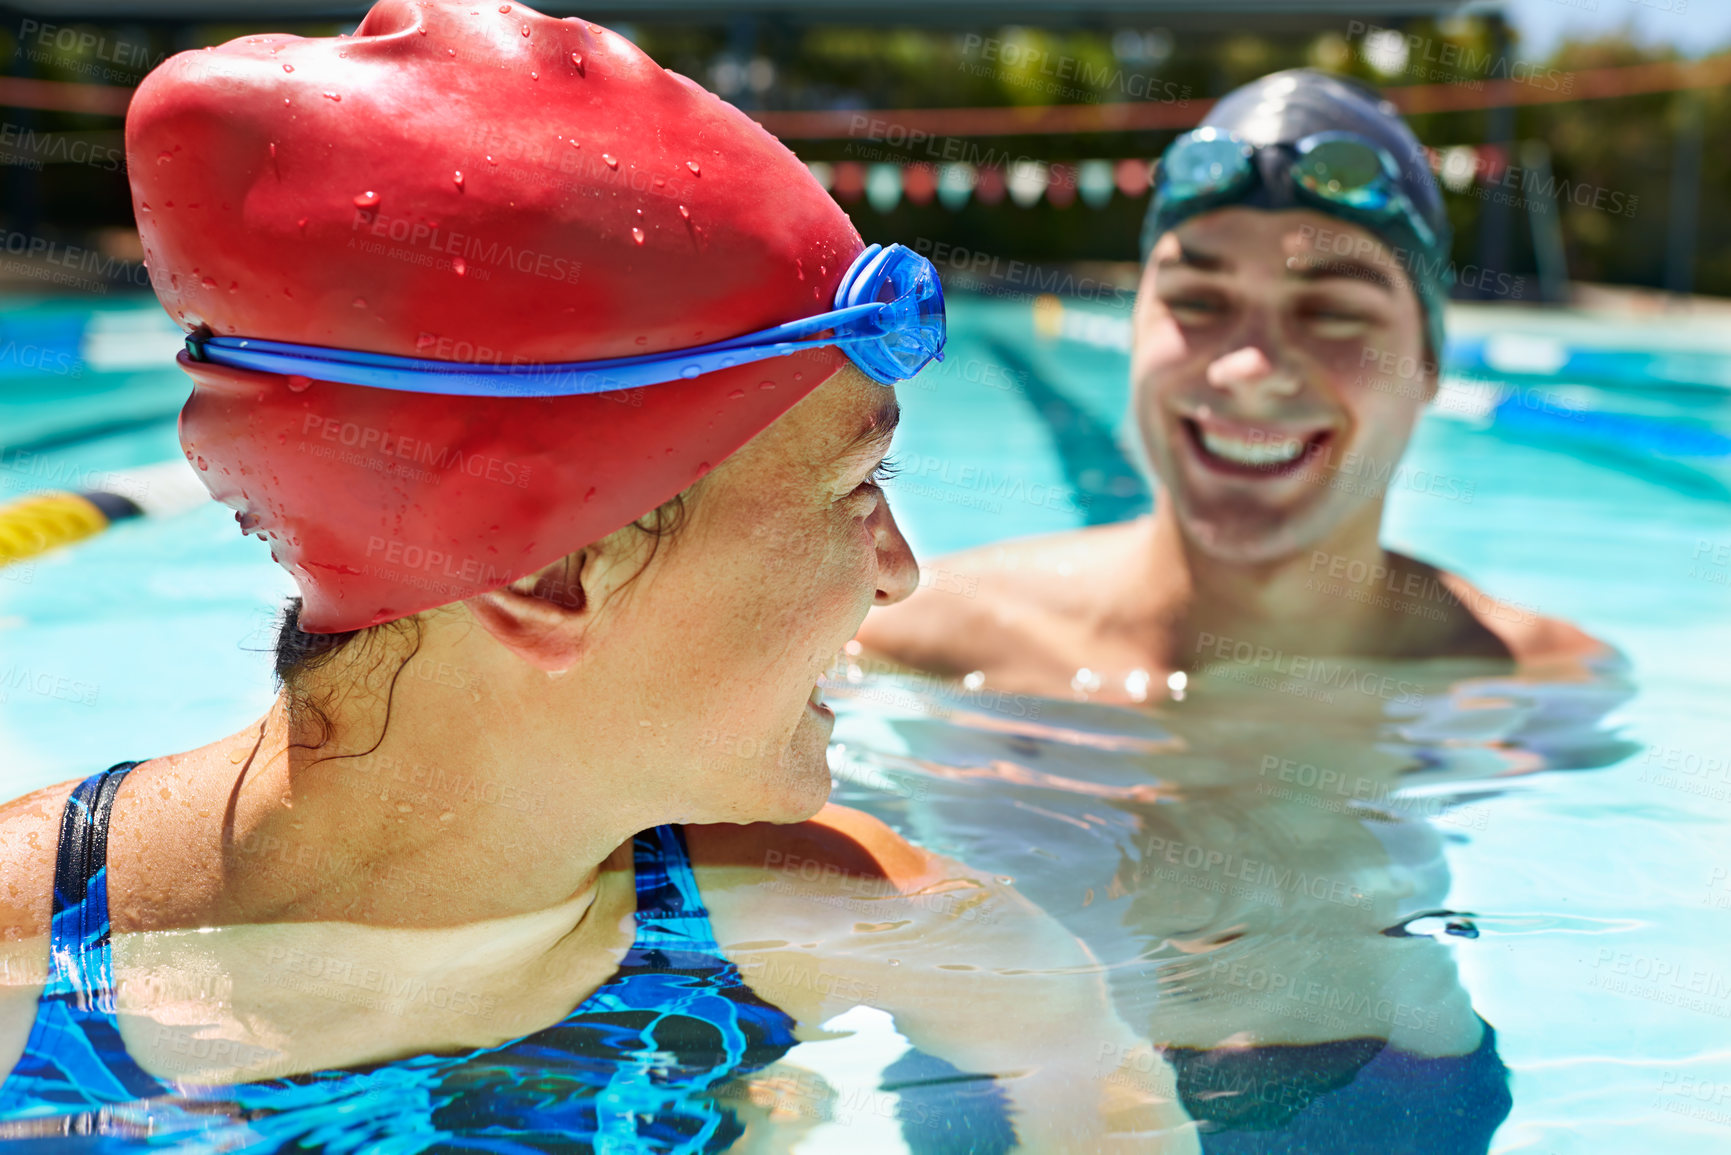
(671, 918)
(675, 968)
(75, 1056)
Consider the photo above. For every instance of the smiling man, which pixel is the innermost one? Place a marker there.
(1286, 339)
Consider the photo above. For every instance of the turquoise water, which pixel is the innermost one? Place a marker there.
(1575, 832)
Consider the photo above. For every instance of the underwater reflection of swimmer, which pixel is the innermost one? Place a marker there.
(1245, 862)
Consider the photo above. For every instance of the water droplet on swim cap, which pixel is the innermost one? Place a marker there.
(736, 395)
(525, 30)
(366, 200)
(457, 178)
(684, 213)
(637, 235)
(766, 384)
(288, 68)
(359, 302)
(504, 8)
(691, 371)
(333, 96)
(459, 266)
(696, 168)
(612, 161)
(577, 59)
(201, 463)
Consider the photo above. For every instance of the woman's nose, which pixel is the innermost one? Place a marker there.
(898, 572)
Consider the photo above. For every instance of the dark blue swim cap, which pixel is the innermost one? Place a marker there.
(1285, 107)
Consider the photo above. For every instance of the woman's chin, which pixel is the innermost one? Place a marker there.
(805, 788)
(790, 788)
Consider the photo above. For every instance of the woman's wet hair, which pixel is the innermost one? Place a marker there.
(297, 654)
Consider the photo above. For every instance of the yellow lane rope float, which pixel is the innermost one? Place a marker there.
(39, 522)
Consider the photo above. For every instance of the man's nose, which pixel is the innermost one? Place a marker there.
(1252, 374)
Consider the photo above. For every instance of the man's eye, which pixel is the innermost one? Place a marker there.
(1335, 324)
(1193, 308)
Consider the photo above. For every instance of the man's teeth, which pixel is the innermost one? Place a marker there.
(1264, 451)
(817, 695)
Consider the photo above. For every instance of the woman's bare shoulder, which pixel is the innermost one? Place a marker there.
(29, 836)
(838, 841)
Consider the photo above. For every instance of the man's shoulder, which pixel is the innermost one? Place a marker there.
(1529, 636)
(976, 606)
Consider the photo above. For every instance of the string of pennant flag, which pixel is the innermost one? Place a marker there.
(1026, 182)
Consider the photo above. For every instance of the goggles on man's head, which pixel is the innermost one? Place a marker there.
(888, 318)
(1335, 170)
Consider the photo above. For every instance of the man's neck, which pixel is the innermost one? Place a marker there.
(1291, 604)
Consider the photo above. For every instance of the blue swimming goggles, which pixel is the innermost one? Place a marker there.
(1336, 170)
(888, 318)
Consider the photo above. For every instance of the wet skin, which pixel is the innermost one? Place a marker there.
(1267, 386)
(481, 840)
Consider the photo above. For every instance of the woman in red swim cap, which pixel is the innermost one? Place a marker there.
(560, 388)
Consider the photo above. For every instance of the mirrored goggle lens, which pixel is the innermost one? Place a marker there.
(1194, 167)
(1347, 173)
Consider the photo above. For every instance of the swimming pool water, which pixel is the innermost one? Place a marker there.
(1575, 831)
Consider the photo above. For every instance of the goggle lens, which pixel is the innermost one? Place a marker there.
(1196, 166)
(1346, 172)
(909, 329)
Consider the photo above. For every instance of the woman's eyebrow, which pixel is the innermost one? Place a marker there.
(876, 434)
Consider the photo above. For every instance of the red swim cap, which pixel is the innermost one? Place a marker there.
(469, 182)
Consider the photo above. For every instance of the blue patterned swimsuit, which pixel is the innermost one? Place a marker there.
(638, 1067)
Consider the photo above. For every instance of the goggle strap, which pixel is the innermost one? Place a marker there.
(846, 327)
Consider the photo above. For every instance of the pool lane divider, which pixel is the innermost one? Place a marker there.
(47, 520)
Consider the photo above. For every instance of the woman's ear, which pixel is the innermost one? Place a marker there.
(541, 618)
